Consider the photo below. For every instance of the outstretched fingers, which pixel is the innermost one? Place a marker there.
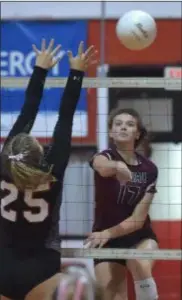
(90, 51)
(43, 45)
(55, 51)
(91, 56)
(35, 49)
(70, 54)
(51, 45)
(81, 49)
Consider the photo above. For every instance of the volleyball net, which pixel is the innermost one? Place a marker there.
(78, 186)
(59, 82)
(169, 84)
(163, 254)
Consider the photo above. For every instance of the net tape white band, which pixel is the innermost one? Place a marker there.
(58, 82)
(121, 254)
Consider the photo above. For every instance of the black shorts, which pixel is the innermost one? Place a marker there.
(21, 271)
(129, 241)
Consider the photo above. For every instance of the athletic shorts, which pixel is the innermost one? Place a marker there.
(21, 271)
(125, 242)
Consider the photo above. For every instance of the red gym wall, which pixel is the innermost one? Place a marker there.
(166, 49)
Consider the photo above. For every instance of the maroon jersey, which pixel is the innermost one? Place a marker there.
(114, 201)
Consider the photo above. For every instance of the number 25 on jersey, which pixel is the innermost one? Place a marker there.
(31, 202)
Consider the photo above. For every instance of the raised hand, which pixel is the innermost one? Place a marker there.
(45, 58)
(83, 59)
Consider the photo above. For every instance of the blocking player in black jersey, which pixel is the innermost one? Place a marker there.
(125, 184)
(31, 180)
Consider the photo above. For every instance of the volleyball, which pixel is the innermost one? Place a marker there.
(136, 30)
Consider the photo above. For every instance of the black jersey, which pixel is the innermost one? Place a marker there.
(31, 218)
(116, 201)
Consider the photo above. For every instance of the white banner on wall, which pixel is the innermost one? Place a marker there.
(87, 9)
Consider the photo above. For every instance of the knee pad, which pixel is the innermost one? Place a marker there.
(146, 289)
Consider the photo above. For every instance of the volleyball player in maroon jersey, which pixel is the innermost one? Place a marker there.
(125, 184)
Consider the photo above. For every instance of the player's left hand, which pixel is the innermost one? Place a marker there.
(97, 239)
(83, 59)
(46, 57)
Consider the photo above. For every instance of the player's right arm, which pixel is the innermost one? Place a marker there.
(59, 152)
(109, 168)
(44, 61)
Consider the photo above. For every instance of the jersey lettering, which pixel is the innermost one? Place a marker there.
(29, 199)
(10, 198)
(128, 193)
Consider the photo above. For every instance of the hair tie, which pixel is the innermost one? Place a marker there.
(16, 157)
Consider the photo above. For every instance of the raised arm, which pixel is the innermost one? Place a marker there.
(59, 152)
(105, 166)
(44, 61)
